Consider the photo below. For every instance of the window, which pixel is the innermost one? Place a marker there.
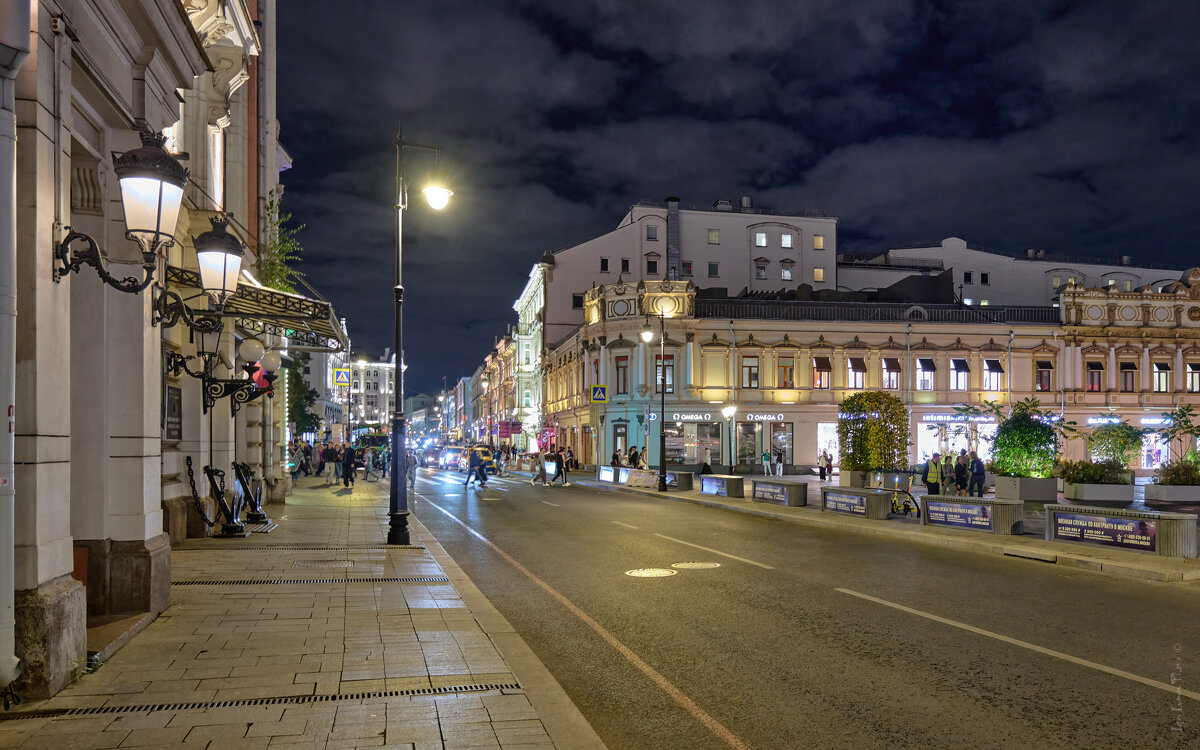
(307, 370)
(760, 270)
(983, 303)
(891, 373)
(622, 374)
(966, 277)
(818, 242)
(785, 273)
(624, 265)
(1193, 377)
(856, 372)
(1070, 279)
(750, 372)
(1056, 282)
(713, 269)
(651, 265)
(651, 232)
(1128, 285)
(604, 265)
(1128, 376)
(1162, 377)
(685, 267)
(821, 370)
(785, 240)
(760, 239)
(576, 301)
(926, 372)
(785, 374)
(985, 277)
(1095, 377)
(664, 373)
(968, 301)
(527, 399)
(714, 236)
(818, 274)
(960, 371)
(1042, 375)
(991, 374)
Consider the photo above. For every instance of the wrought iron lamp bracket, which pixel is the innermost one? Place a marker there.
(169, 309)
(70, 259)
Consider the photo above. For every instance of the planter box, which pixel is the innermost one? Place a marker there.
(1118, 494)
(1027, 489)
(1173, 493)
(853, 478)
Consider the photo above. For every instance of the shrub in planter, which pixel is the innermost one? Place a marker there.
(1094, 472)
(872, 435)
(1176, 482)
(1119, 442)
(1025, 446)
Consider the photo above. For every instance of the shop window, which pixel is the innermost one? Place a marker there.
(821, 371)
(1095, 377)
(1128, 377)
(664, 373)
(1043, 375)
(1162, 377)
(750, 372)
(1193, 377)
(891, 373)
(604, 265)
(856, 373)
(651, 232)
(785, 376)
(714, 236)
(992, 372)
(760, 239)
(785, 241)
(960, 372)
(622, 375)
(926, 373)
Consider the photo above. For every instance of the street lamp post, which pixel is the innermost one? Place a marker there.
(437, 196)
(728, 413)
(647, 335)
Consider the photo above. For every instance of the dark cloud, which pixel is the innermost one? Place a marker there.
(1067, 125)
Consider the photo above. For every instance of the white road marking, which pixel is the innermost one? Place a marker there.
(547, 502)
(625, 525)
(715, 552)
(1173, 689)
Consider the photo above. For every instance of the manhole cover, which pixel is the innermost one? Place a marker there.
(651, 572)
(695, 565)
(323, 564)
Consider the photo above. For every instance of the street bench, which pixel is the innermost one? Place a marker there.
(784, 493)
(725, 485)
(606, 474)
(640, 478)
(857, 501)
(990, 515)
(680, 480)
(1167, 534)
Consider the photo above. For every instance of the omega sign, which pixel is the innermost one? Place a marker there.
(681, 416)
(764, 417)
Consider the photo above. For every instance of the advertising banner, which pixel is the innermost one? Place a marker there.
(962, 516)
(843, 503)
(710, 485)
(607, 474)
(770, 492)
(1127, 533)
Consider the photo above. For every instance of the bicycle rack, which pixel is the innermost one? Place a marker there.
(254, 513)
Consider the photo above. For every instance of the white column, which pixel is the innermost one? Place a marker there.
(1179, 379)
(1112, 367)
(1145, 369)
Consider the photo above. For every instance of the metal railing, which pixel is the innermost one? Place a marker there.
(883, 312)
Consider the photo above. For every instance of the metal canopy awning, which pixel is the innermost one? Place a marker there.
(308, 324)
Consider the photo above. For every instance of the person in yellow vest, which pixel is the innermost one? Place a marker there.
(932, 476)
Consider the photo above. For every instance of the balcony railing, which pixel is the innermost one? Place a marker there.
(883, 312)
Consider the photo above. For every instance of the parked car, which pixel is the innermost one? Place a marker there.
(448, 458)
(485, 458)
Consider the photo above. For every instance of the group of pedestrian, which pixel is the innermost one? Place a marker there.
(825, 465)
(964, 474)
(553, 456)
(631, 458)
(772, 461)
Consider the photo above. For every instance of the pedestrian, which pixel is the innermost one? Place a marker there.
(570, 459)
(411, 469)
(779, 463)
(948, 471)
(559, 469)
(385, 461)
(320, 461)
(616, 459)
(634, 458)
(294, 459)
(821, 465)
(348, 471)
(481, 472)
(978, 474)
(539, 469)
(768, 461)
(962, 475)
(932, 475)
(369, 460)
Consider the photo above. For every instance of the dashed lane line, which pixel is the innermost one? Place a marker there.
(715, 552)
(1173, 689)
(635, 528)
(547, 502)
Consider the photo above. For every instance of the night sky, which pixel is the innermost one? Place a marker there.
(1065, 126)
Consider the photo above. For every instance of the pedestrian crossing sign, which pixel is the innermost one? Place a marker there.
(341, 376)
(599, 394)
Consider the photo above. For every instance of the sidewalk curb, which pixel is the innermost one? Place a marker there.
(563, 720)
(1034, 550)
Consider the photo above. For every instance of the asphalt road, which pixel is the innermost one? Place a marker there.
(797, 639)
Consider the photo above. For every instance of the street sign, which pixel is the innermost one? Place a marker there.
(599, 394)
(341, 376)
(653, 416)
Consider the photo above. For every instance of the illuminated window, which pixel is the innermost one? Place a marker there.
(926, 372)
(1162, 377)
(750, 372)
(1056, 282)
(891, 373)
(991, 374)
(1095, 376)
(818, 242)
(760, 239)
(818, 274)
(1128, 285)
(760, 270)
(1043, 375)
(622, 375)
(856, 372)
(1193, 377)
(785, 270)
(664, 373)
(785, 376)
(1128, 377)
(714, 236)
(785, 240)
(960, 372)
(821, 370)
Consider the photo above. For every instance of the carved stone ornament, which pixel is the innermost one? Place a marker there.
(1193, 313)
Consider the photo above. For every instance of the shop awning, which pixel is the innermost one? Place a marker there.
(1095, 365)
(960, 365)
(822, 363)
(1162, 367)
(858, 364)
(891, 364)
(1045, 364)
(926, 365)
(1194, 366)
(993, 365)
(1129, 366)
(308, 324)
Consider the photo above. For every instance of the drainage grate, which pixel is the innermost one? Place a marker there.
(277, 581)
(322, 563)
(292, 547)
(50, 713)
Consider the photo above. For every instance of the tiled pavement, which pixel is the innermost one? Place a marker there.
(331, 662)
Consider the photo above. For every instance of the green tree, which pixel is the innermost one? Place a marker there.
(1180, 425)
(300, 397)
(1028, 438)
(873, 432)
(1118, 442)
(278, 247)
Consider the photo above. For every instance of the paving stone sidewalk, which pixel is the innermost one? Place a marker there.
(316, 635)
